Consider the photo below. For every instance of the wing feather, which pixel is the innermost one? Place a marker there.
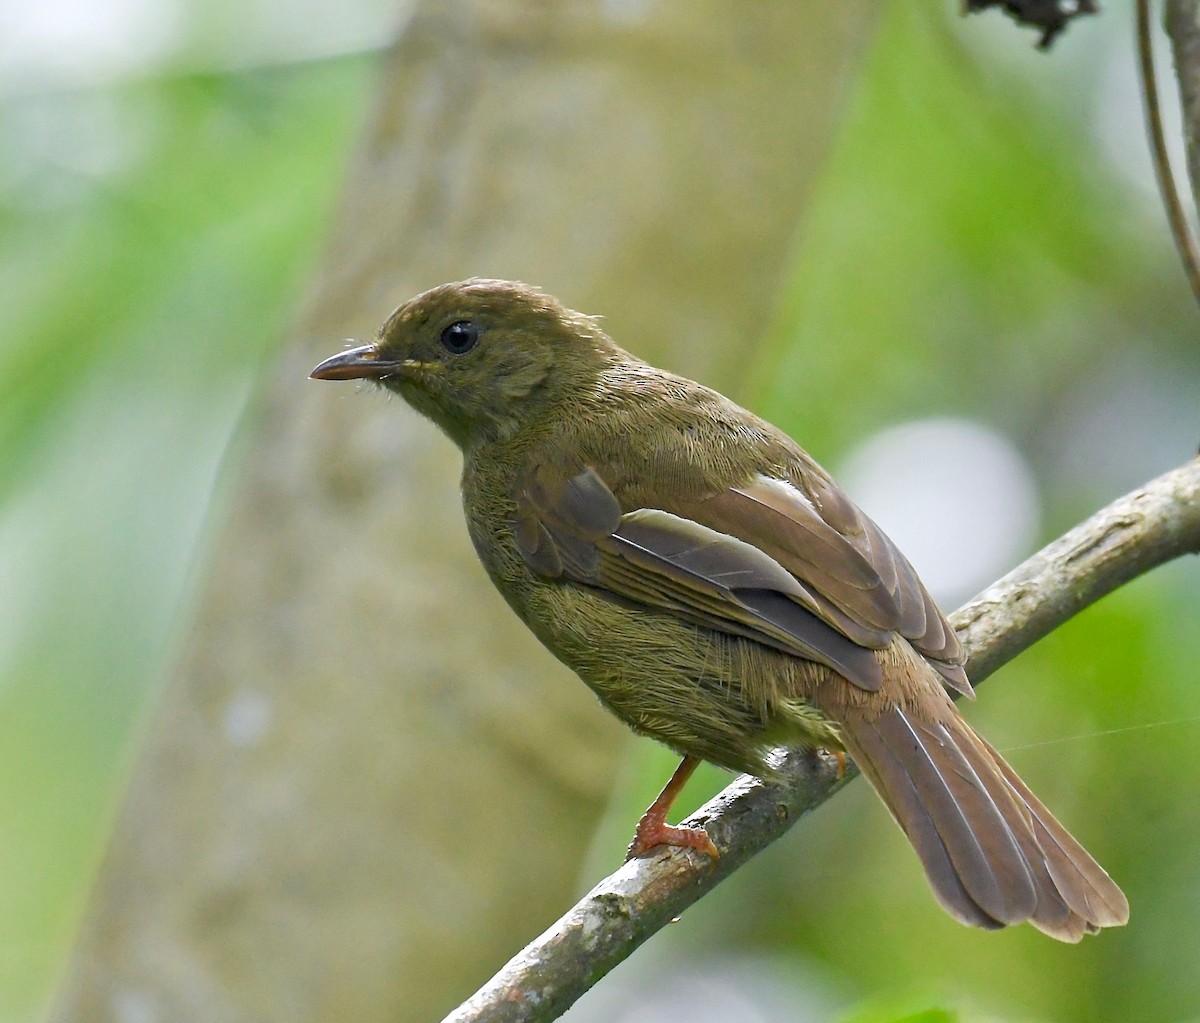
(861, 582)
(800, 570)
(695, 569)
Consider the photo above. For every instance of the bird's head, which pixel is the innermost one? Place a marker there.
(481, 358)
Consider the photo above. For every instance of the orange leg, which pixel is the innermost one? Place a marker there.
(653, 829)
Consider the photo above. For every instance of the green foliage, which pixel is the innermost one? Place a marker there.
(903, 1010)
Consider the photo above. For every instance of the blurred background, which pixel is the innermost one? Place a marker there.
(982, 277)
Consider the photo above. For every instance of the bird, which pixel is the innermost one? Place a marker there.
(717, 590)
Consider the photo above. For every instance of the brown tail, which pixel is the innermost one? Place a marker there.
(993, 853)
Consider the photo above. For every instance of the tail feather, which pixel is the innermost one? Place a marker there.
(1052, 914)
(893, 781)
(956, 812)
(993, 853)
(1082, 882)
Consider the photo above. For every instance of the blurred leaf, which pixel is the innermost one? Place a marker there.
(966, 254)
(896, 1013)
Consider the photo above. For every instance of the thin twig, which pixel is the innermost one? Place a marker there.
(1147, 527)
(1181, 231)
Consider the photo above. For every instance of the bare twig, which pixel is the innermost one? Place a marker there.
(1181, 230)
(1183, 26)
(1147, 527)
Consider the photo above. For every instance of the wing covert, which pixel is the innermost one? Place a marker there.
(572, 527)
(863, 585)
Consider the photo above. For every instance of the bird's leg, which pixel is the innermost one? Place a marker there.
(653, 829)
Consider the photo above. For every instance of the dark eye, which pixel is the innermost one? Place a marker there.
(459, 338)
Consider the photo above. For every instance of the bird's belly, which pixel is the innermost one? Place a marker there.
(703, 693)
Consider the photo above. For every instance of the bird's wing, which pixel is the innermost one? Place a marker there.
(864, 586)
(714, 562)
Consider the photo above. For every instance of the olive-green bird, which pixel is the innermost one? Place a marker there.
(717, 590)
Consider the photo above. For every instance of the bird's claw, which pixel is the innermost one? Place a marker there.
(651, 834)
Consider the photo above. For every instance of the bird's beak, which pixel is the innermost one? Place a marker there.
(361, 363)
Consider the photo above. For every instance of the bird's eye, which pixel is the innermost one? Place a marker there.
(459, 338)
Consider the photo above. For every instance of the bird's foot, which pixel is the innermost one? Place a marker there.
(653, 831)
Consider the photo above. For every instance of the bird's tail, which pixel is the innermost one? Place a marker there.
(993, 853)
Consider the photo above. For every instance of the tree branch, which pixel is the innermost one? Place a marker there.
(1182, 18)
(1181, 229)
(1152, 525)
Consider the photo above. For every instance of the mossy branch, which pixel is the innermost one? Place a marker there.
(1152, 525)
